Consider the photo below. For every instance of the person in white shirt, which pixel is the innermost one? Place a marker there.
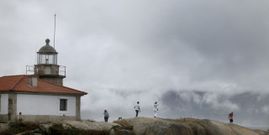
(155, 109)
(137, 108)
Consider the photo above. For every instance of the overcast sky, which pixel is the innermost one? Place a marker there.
(122, 51)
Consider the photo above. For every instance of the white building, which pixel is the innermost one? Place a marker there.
(40, 96)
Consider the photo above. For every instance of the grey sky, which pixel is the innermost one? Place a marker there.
(123, 51)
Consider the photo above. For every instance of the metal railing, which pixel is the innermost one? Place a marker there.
(30, 70)
(62, 70)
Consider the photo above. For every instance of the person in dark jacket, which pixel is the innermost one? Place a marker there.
(106, 115)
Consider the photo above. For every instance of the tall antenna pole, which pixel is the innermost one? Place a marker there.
(54, 34)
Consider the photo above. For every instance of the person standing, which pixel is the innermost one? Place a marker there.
(106, 115)
(20, 117)
(155, 109)
(230, 117)
(137, 108)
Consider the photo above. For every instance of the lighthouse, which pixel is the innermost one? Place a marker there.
(41, 95)
(47, 67)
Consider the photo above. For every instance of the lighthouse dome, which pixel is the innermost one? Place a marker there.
(47, 49)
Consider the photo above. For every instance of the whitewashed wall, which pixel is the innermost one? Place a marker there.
(29, 104)
(4, 104)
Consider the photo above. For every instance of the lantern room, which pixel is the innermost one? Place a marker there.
(47, 54)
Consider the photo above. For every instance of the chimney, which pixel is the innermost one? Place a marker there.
(33, 81)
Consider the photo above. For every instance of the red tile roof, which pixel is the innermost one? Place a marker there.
(20, 83)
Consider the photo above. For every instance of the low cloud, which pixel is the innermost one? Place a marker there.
(250, 108)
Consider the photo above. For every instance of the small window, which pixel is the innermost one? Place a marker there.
(63, 104)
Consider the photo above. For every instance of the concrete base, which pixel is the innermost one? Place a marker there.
(45, 118)
(38, 118)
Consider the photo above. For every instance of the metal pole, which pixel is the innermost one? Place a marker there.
(54, 34)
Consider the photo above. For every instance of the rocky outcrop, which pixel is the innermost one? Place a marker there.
(188, 126)
(133, 126)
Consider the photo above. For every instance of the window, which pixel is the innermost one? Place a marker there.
(63, 104)
(47, 59)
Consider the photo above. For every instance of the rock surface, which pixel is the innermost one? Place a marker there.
(188, 126)
(133, 126)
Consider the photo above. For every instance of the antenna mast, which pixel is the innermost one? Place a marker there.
(54, 34)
